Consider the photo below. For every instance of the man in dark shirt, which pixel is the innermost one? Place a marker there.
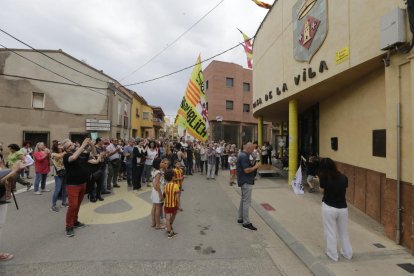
(245, 180)
(77, 174)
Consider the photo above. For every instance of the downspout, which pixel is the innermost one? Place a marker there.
(399, 209)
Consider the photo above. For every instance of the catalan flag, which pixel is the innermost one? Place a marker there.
(248, 48)
(192, 113)
(262, 4)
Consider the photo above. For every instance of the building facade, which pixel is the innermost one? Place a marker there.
(321, 69)
(158, 121)
(229, 96)
(147, 123)
(136, 115)
(41, 105)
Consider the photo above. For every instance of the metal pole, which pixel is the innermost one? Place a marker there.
(398, 218)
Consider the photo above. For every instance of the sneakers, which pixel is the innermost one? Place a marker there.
(240, 221)
(70, 232)
(79, 224)
(312, 190)
(249, 227)
(171, 234)
(117, 186)
(54, 209)
(37, 193)
(65, 205)
(45, 190)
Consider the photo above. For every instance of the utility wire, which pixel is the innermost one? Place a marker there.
(3, 31)
(132, 84)
(54, 82)
(173, 42)
(53, 72)
(188, 67)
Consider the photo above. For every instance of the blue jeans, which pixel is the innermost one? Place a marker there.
(129, 172)
(60, 185)
(40, 177)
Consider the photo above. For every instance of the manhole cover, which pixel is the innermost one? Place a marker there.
(407, 267)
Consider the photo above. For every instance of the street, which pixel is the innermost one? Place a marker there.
(119, 240)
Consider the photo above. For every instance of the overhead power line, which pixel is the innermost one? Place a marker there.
(74, 69)
(54, 82)
(51, 71)
(188, 67)
(173, 42)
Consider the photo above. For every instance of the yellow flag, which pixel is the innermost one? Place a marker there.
(193, 109)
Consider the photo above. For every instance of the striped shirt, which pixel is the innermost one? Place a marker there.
(171, 190)
(178, 176)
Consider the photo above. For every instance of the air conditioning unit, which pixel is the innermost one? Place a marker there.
(393, 29)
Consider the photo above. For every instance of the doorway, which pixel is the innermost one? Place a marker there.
(34, 137)
(309, 131)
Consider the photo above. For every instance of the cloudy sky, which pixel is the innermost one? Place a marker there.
(120, 36)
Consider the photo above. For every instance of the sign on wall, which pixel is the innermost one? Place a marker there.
(310, 27)
(98, 125)
(342, 55)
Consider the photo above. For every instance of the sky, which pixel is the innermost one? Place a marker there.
(120, 36)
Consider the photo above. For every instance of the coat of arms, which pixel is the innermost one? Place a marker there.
(310, 27)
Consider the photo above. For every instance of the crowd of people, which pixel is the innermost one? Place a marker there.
(95, 168)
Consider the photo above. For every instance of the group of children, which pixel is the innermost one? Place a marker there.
(165, 194)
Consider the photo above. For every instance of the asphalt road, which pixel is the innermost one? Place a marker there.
(118, 238)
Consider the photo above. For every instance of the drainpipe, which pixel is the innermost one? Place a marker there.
(398, 218)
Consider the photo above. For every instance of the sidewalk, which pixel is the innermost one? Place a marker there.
(297, 220)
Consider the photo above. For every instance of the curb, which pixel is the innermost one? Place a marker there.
(312, 263)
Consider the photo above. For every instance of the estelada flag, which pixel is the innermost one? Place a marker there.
(262, 4)
(248, 48)
(297, 182)
(192, 111)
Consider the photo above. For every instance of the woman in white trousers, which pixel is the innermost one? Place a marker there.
(334, 209)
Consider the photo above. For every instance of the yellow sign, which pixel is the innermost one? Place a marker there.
(342, 55)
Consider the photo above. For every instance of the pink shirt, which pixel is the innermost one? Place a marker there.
(41, 162)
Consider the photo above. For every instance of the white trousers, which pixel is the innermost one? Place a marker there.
(336, 221)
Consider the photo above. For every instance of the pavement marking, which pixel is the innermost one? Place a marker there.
(267, 207)
(24, 190)
(139, 208)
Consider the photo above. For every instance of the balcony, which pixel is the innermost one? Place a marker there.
(158, 122)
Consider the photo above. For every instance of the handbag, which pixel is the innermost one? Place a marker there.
(61, 173)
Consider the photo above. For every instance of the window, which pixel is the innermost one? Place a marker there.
(206, 85)
(38, 100)
(120, 113)
(229, 105)
(246, 87)
(246, 107)
(145, 115)
(379, 143)
(126, 121)
(229, 82)
(137, 113)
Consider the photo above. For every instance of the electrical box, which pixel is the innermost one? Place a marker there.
(393, 30)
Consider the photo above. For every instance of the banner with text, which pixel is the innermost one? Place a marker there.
(192, 113)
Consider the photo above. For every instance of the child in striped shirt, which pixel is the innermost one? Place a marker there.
(171, 202)
(178, 174)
